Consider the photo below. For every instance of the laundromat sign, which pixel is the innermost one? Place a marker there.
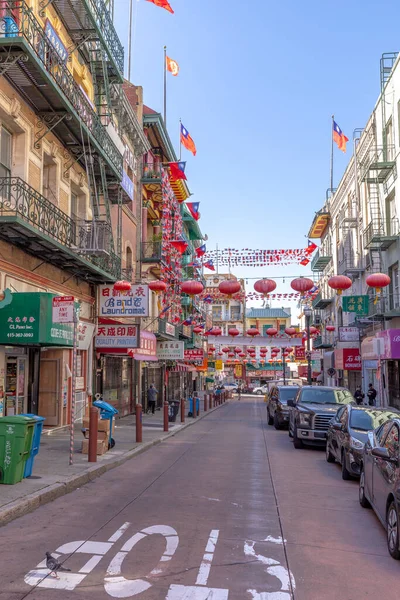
(113, 303)
(26, 318)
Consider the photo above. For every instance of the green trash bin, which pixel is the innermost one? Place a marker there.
(16, 436)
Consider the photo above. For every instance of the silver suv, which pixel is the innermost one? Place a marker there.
(311, 412)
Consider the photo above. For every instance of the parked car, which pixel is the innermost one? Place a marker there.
(230, 387)
(277, 408)
(289, 381)
(380, 480)
(348, 433)
(263, 389)
(311, 412)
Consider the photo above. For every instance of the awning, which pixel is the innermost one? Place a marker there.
(180, 367)
(147, 350)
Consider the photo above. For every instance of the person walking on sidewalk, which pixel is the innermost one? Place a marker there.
(371, 395)
(359, 395)
(151, 398)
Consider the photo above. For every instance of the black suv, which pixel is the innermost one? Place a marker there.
(311, 412)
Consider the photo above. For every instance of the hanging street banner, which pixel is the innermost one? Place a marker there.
(356, 304)
(113, 303)
(242, 340)
(63, 309)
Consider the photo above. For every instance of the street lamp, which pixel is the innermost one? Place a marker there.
(307, 313)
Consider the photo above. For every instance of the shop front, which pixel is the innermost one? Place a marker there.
(172, 353)
(370, 353)
(348, 361)
(388, 372)
(149, 370)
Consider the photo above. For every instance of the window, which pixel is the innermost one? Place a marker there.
(74, 207)
(5, 153)
(392, 442)
(265, 328)
(394, 300)
(235, 313)
(343, 417)
(217, 313)
(381, 433)
(389, 141)
(50, 179)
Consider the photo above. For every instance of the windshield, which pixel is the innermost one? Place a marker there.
(321, 396)
(367, 420)
(285, 394)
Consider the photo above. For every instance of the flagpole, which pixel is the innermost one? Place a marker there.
(165, 86)
(180, 141)
(333, 120)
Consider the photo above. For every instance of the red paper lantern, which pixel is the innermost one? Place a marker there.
(192, 287)
(340, 283)
(229, 287)
(216, 331)
(272, 331)
(157, 286)
(253, 361)
(313, 330)
(302, 285)
(122, 286)
(265, 286)
(242, 355)
(197, 329)
(378, 281)
(290, 331)
(253, 332)
(233, 332)
(225, 349)
(231, 354)
(330, 328)
(220, 353)
(237, 350)
(211, 348)
(276, 349)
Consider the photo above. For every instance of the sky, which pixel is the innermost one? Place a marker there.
(259, 82)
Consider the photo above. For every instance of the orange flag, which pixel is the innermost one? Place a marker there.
(163, 4)
(172, 66)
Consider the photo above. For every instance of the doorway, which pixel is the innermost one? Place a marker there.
(49, 391)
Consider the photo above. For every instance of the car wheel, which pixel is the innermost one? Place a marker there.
(346, 475)
(392, 524)
(277, 423)
(297, 442)
(329, 456)
(258, 392)
(361, 491)
(270, 419)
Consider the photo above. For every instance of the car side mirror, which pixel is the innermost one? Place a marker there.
(291, 403)
(382, 453)
(337, 426)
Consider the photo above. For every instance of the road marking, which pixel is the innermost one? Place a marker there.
(119, 533)
(205, 566)
(184, 592)
(275, 569)
(273, 540)
(269, 595)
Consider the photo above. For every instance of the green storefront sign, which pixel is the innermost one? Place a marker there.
(356, 304)
(26, 319)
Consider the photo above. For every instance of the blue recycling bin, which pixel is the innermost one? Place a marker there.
(191, 406)
(37, 435)
(107, 411)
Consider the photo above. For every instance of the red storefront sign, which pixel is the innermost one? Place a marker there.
(299, 353)
(348, 359)
(194, 354)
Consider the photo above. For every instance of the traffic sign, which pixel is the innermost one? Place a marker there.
(331, 372)
(63, 309)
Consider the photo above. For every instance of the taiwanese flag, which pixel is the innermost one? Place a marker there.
(207, 299)
(177, 170)
(200, 251)
(311, 247)
(163, 4)
(339, 138)
(304, 262)
(194, 209)
(187, 141)
(180, 245)
(209, 265)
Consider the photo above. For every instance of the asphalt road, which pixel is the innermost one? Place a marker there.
(225, 510)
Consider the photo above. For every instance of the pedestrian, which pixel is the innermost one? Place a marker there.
(359, 395)
(151, 398)
(371, 395)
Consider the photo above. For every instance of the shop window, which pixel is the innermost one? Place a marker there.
(50, 179)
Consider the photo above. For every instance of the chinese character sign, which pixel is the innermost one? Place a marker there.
(117, 336)
(170, 350)
(357, 304)
(113, 303)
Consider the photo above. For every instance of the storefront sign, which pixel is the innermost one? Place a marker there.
(194, 354)
(348, 359)
(85, 335)
(170, 350)
(147, 349)
(219, 365)
(127, 185)
(349, 334)
(187, 331)
(113, 303)
(117, 336)
(300, 353)
(238, 372)
(316, 355)
(357, 304)
(55, 41)
(170, 329)
(63, 309)
(27, 320)
(391, 344)
(370, 348)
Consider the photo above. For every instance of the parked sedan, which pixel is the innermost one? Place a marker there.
(277, 408)
(348, 432)
(380, 480)
(263, 389)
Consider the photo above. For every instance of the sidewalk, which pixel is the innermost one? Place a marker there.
(53, 477)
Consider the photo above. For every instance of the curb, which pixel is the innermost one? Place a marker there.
(31, 502)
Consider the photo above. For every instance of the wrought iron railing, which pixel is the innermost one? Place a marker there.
(151, 251)
(18, 199)
(21, 22)
(102, 18)
(379, 158)
(127, 273)
(152, 171)
(378, 229)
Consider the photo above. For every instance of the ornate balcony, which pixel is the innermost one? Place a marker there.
(151, 252)
(37, 70)
(83, 16)
(30, 221)
(152, 173)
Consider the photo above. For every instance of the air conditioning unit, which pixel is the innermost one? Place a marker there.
(94, 237)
